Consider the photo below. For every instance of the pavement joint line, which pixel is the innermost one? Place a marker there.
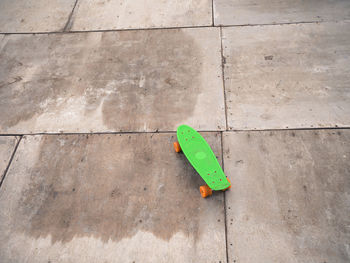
(212, 13)
(223, 61)
(100, 133)
(90, 133)
(10, 161)
(224, 193)
(284, 23)
(290, 129)
(106, 30)
(174, 131)
(69, 21)
(169, 28)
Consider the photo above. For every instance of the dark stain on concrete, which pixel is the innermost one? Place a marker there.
(124, 186)
(140, 78)
(160, 79)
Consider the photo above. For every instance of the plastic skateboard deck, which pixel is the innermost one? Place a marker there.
(201, 157)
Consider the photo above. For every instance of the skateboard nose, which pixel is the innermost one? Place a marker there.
(200, 155)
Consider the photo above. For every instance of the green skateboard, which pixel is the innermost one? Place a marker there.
(202, 158)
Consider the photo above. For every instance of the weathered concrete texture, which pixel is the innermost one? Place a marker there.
(114, 81)
(290, 198)
(7, 146)
(288, 76)
(120, 14)
(108, 198)
(245, 12)
(34, 15)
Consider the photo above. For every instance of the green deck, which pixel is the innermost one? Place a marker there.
(202, 158)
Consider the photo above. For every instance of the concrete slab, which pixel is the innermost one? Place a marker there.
(289, 76)
(250, 12)
(34, 15)
(113, 81)
(290, 198)
(119, 14)
(108, 198)
(7, 146)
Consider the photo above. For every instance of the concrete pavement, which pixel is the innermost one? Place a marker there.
(93, 92)
(126, 81)
(23, 16)
(101, 14)
(118, 198)
(290, 201)
(243, 12)
(299, 78)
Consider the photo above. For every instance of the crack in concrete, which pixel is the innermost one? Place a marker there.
(10, 161)
(69, 23)
(223, 61)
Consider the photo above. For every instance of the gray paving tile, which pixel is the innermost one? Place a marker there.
(289, 76)
(290, 196)
(118, 14)
(7, 146)
(108, 198)
(34, 15)
(243, 12)
(113, 81)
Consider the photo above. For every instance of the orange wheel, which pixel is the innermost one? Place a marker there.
(177, 147)
(205, 191)
(229, 186)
